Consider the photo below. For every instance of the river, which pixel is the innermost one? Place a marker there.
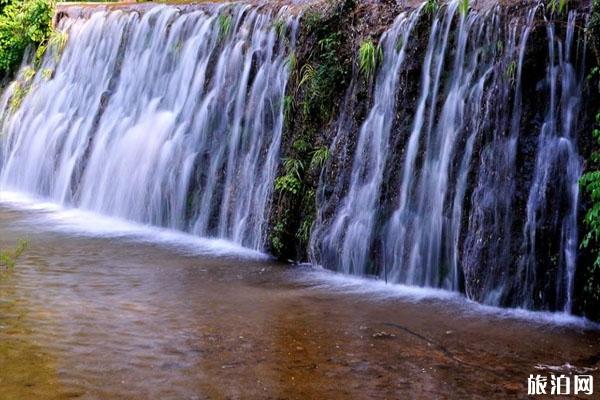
(99, 308)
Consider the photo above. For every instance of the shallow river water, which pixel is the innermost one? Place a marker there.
(99, 309)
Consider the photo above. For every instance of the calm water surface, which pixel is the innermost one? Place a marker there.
(119, 316)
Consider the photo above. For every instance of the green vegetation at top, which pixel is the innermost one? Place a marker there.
(22, 24)
(431, 6)
(463, 7)
(558, 7)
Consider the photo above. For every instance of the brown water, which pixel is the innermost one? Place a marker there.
(111, 318)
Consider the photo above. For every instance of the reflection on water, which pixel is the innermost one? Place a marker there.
(110, 318)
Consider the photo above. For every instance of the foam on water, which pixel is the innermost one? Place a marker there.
(88, 224)
(378, 289)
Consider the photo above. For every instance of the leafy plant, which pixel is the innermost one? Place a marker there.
(369, 57)
(291, 182)
(312, 20)
(288, 107)
(303, 234)
(293, 167)
(28, 74)
(590, 183)
(21, 88)
(431, 6)
(56, 41)
(47, 73)
(300, 145)
(279, 26)
(463, 7)
(225, 25)
(288, 183)
(307, 74)
(8, 259)
(319, 157)
(511, 70)
(558, 7)
(276, 236)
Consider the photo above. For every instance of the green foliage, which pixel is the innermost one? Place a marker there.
(291, 62)
(303, 234)
(300, 145)
(276, 236)
(511, 70)
(23, 23)
(28, 74)
(56, 41)
(319, 157)
(318, 74)
(369, 57)
(558, 7)
(288, 183)
(431, 6)
(280, 27)
(288, 107)
(293, 167)
(17, 97)
(312, 20)
(321, 78)
(307, 75)
(47, 73)
(9, 259)
(463, 7)
(225, 25)
(590, 183)
(291, 181)
(21, 87)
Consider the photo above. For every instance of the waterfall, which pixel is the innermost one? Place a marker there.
(352, 226)
(166, 117)
(554, 188)
(462, 175)
(454, 216)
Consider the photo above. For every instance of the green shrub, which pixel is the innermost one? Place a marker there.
(558, 7)
(369, 57)
(23, 23)
(431, 6)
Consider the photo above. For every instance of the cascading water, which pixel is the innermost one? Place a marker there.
(450, 217)
(352, 226)
(554, 189)
(174, 118)
(168, 118)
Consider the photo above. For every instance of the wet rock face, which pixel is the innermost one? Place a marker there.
(489, 251)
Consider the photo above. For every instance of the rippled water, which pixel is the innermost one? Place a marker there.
(123, 314)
